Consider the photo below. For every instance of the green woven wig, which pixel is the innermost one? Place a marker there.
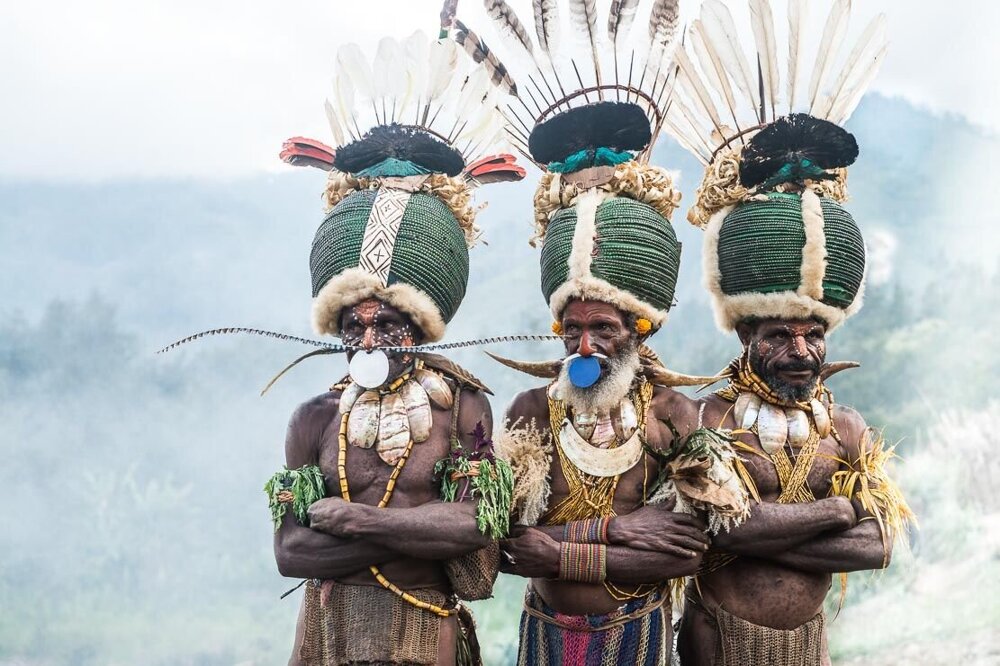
(784, 255)
(417, 262)
(612, 249)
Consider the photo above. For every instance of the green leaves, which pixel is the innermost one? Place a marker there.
(305, 485)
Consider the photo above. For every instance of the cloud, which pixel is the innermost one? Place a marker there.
(111, 88)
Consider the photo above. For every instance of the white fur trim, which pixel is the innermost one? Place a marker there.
(711, 274)
(814, 251)
(584, 233)
(355, 285)
(595, 289)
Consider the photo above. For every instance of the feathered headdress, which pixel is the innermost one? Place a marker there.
(588, 113)
(768, 129)
(414, 129)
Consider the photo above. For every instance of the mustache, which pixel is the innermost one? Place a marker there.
(796, 366)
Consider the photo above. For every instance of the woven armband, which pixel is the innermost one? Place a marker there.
(296, 487)
(592, 530)
(583, 562)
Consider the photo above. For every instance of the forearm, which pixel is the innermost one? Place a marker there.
(632, 565)
(434, 531)
(776, 528)
(302, 552)
(857, 549)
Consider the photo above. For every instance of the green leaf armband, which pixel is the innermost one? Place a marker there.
(298, 487)
(478, 475)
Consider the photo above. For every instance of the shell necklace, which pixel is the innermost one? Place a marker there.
(586, 439)
(389, 419)
(778, 421)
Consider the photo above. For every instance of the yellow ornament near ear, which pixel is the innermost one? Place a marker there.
(557, 328)
(643, 326)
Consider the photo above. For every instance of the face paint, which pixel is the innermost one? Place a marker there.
(372, 324)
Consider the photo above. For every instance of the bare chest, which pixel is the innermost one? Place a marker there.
(368, 476)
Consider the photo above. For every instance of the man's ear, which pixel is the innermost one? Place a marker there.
(745, 330)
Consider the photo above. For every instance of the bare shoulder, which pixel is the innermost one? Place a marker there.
(680, 409)
(532, 404)
(306, 427)
(714, 410)
(850, 426)
(473, 409)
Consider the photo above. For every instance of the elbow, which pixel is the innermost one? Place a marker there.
(289, 564)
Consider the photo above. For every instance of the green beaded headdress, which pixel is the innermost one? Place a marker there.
(778, 242)
(602, 213)
(399, 222)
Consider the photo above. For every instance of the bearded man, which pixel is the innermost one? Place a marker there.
(785, 265)
(588, 450)
(391, 500)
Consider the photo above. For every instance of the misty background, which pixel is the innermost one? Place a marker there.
(136, 531)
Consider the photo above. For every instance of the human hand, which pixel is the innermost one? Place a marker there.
(338, 517)
(656, 528)
(530, 553)
(842, 512)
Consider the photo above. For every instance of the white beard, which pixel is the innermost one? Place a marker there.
(610, 389)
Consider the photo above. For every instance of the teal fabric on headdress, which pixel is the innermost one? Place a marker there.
(590, 158)
(393, 168)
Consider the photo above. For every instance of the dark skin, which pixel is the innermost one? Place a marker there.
(411, 538)
(787, 552)
(648, 544)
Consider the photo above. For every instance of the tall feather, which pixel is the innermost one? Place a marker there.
(335, 125)
(695, 87)
(416, 52)
(663, 19)
(620, 19)
(863, 57)
(510, 26)
(442, 60)
(711, 65)
(547, 25)
(720, 30)
(762, 22)
(833, 36)
(796, 19)
(481, 54)
(351, 62)
(846, 104)
(388, 75)
(583, 15)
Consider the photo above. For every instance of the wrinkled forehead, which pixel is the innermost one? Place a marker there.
(591, 310)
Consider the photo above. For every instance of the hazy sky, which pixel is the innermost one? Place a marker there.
(117, 88)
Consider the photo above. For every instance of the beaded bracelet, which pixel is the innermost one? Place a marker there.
(583, 562)
(591, 530)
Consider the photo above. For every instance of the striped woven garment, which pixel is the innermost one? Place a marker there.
(579, 640)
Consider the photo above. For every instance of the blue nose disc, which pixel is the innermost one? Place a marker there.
(584, 371)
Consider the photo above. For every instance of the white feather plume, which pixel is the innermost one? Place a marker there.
(695, 87)
(663, 20)
(711, 65)
(863, 57)
(762, 23)
(335, 125)
(352, 63)
(721, 31)
(621, 15)
(797, 10)
(829, 46)
(547, 25)
(583, 16)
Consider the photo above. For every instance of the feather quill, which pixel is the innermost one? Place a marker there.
(481, 54)
(663, 19)
(762, 22)
(833, 35)
(862, 58)
(583, 15)
(712, 66)
(846, 104)
(695, 87)
(351, 62)
(796, 18)
(691, 128)
(720, 30)
(547, 25)
(510, 26)
(335, 124)
(620, 19)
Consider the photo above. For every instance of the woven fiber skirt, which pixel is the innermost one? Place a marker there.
(635, 634)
